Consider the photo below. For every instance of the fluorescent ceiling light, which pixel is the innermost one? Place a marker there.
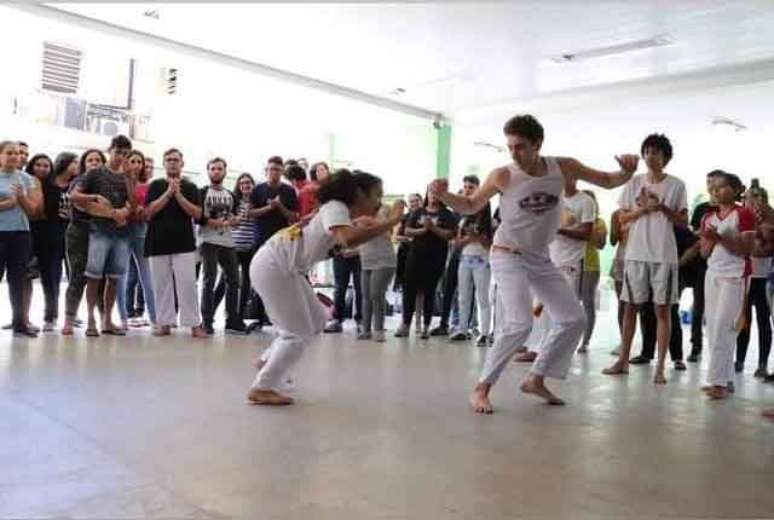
(724, 122)
(610, 50)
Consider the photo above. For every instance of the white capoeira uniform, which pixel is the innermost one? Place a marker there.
(567, 254)
(725, 293)
(530, 209)
(277, 273)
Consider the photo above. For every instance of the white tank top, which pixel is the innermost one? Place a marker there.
(530, 209)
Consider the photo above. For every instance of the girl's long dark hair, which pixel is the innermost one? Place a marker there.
(344, 185)
(237, 193)
(30, 168)
(89, 152)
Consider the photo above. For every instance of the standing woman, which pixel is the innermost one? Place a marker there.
(591, 273)
(618, 240)
(20, 197)
(77, 240)
(404, 244)
(137, 184)
(51, 253)
(278, 272)
(378, 267)
(727, 240)
(40, 167)
(243, 234)
(431, 228)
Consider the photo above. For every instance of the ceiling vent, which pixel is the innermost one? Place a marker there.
(724, 122)
(611, 50)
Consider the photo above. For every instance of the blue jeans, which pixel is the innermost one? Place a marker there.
(107, 254)
(136, 253)
(473, 278)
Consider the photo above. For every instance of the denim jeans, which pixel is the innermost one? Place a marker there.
(473, 276)
(136, 254)
(108, 254)
(345, 268)
(213, 256)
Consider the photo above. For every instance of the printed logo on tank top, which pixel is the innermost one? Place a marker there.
(539, 202)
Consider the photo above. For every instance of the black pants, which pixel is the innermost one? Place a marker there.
(225, 257)
(243, 264)
(648, 327)
(449, 288)
(756, 298)
(49, 247)
(422, 275)
(345, 268)
(15, 252)
(135, 296)
(697, 312)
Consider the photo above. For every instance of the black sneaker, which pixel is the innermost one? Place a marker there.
(695, 357)
(738, 367)
(639, 360)
(24, 332)
(440, 330)
(237, 328)
(207, 328)
(679, 365)
(255, 326)
(458, 336)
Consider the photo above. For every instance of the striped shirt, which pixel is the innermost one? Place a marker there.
(244, 233)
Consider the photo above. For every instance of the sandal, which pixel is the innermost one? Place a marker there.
(92, 333)
(114, 332)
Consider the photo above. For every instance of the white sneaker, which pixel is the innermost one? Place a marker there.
(378, 336)
(49, 326)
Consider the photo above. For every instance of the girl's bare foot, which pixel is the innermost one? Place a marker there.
(268, 397)
(618, 368)
(479, 399)
(717, 392)
(534, 385)
(67, 328)
(659, 379)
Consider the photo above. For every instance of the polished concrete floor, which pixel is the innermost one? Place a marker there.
(141, 428)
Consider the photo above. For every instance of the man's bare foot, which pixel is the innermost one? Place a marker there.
(198, 332)
(479, 399)
(526, 357)
(659, 379)
(161, 330)
(534, 385)
(618, 368)
(768, 414)
(716, 393)
(268, 397)
(67, 329)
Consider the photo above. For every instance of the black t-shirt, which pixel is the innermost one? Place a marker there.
(686, 239)
(430, 245)
(112, 186)
(272, 221)
(77, 216)
(56, 203)
(171, 231)
(698, 215)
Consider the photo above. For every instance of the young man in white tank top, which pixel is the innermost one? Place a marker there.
(530, 212)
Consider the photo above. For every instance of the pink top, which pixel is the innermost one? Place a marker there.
(141, 194)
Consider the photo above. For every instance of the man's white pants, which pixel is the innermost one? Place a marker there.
(724, 303)
(542, 326)
(518, 277)
(171, 273)
(295, 311)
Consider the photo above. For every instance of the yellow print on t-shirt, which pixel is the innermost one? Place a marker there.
(288, 234)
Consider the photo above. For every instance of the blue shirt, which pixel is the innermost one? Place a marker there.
(14, 219)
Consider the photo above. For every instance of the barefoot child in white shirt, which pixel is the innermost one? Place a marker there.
(727, 240)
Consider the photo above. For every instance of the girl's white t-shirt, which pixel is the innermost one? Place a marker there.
(301, 247)
(379, 253)
(722, 261)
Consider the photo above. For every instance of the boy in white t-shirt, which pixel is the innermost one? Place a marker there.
(652, 204)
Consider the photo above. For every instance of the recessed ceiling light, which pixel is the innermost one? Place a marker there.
(610, 50)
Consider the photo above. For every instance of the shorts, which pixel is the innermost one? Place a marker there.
(650, 281)
(108, 255)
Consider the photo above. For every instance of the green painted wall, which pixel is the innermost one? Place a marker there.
(443, 150)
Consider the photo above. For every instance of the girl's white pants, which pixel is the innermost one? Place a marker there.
(724, 298)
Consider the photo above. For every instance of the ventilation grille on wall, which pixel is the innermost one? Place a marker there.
(61, 68)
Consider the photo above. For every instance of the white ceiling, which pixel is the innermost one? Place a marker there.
(463, 56)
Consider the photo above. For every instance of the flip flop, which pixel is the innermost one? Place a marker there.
(114, 332)
(92, 333)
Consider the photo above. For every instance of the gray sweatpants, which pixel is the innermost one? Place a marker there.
(374, 284)
(589, 286)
